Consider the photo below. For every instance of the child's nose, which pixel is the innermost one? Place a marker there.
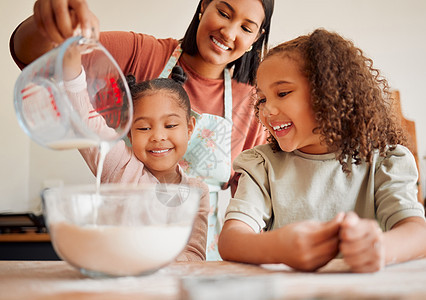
(159, 134)
(269, 109)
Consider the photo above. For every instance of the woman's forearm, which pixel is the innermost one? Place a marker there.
(29, 43)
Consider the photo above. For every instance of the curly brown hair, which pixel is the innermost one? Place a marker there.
(350, 99)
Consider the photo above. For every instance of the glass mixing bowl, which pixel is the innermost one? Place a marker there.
(120, 230)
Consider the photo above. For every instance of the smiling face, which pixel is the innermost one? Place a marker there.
(227, 29)
(160, 133)
(285, 105)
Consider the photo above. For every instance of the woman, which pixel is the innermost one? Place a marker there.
(219, 53)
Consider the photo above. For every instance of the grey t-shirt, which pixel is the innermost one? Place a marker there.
(278, 188)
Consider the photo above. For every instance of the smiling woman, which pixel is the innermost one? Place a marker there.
(227, 31)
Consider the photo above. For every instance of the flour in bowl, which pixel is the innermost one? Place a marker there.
(119, 250)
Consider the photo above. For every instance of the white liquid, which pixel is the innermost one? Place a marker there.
(73, 144)
(104, 148)
(123, 250)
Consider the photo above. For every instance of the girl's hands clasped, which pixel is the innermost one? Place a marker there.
(361, 244)
(58, 20)
(314, 244)
(309, 245)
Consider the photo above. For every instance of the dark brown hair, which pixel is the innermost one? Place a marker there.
(172, 85)
(245, 67)
(350, 99)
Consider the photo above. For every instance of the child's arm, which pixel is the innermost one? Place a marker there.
(366, 248)
(76, 88)
(363, 244)
(306, 245)
(195, 250)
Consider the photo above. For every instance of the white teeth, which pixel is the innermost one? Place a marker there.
(282, 126)
(159, 151)
(222, 46)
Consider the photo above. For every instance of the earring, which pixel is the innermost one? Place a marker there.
(249, 49)
(199, 16)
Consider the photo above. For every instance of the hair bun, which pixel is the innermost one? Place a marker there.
(178, 75)
(131, 80)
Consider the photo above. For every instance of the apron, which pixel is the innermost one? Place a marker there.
(208, 156)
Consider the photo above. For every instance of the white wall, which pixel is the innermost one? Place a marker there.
(392, 32)
(14, 149)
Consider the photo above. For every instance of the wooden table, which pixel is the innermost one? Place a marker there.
(213, 280)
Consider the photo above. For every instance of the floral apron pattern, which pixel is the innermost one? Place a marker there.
(208, 156)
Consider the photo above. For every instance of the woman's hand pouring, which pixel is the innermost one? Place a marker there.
(58, 20)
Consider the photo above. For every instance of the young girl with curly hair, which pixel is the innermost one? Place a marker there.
(336, 175)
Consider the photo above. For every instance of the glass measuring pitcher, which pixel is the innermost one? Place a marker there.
(58, 118)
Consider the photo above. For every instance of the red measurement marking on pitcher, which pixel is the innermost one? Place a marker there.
(109, 102)
(36, 100)
(116, 91)
(53, 102)
(29, 91)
